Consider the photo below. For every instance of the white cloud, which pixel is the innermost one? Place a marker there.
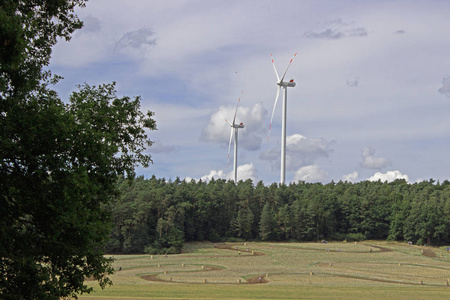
(389, 176)
(300, 151)
(311, 173)
(213, 174)
(372, 162)
(247, 171)
(249, 137)
(351, 177)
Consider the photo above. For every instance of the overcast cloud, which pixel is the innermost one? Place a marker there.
(367, 73)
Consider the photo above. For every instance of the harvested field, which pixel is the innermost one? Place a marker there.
(280, 266)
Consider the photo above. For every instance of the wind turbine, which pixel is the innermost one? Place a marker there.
(235, 127)
(285, 85)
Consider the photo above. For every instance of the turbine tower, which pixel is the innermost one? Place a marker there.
(234, 127)
(285, 85)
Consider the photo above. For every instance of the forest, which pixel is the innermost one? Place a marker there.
(157, 215)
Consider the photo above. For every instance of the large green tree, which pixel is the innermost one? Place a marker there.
(59, 161)
(28, 30)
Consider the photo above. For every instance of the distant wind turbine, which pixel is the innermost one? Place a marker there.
(285, 85)
(235, 127)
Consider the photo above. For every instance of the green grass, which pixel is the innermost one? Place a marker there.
(290, 270)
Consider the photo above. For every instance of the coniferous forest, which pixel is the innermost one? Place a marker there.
(158, 216)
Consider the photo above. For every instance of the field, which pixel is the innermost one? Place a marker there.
(369, 270)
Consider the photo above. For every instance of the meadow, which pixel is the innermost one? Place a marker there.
(333, 270)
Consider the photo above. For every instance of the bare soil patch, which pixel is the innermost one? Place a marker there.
(428, 252)
(236, 248)
(155, 277)
(382, 249)
(257, 280)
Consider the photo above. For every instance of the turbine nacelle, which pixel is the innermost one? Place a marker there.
(289, 83)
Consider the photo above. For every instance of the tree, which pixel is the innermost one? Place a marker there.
(58, 171)
(267, 223)
(28, 30)
(59, 162)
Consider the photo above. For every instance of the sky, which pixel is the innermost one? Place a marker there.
(371, 101)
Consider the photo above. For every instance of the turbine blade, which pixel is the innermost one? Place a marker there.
(229, 146)
(273, 64)
(234, 119)
(228, 122)
(288, 66)
(273, 111)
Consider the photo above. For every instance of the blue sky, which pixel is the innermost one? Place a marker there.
(372, 99)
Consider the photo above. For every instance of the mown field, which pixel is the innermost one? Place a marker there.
(369, 270)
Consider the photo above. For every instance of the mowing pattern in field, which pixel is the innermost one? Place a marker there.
(290, 264)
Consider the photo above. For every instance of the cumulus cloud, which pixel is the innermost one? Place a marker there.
(445, 89)
(337, 29)
(247, 171)
(389, 176)
(300, 151)
(213, 174)
(351, 177)
(372, 162)
(312, 173)
(253, 118)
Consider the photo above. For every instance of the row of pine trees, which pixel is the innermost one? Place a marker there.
(158, 216)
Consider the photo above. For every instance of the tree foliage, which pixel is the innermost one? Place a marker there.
(58, 171)
(220, 210)
(59, 160)
(28, 30)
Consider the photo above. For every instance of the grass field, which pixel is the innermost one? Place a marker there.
(369, 270)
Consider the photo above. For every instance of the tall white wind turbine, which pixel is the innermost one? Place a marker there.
(234, 127)
(285, 85)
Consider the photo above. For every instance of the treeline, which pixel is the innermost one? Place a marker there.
(158, 216)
